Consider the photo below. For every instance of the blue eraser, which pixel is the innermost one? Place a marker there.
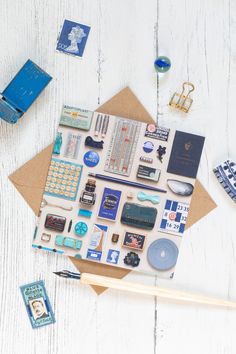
(85, 213)
(22, 91)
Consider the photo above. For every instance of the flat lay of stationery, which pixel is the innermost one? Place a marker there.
(30, 181)
(85, 174)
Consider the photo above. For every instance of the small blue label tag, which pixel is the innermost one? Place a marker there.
(94, 255)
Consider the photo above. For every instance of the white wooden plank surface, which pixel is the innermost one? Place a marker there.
(199, 37)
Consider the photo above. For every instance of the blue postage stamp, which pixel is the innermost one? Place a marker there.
(37, 304)
(73, 38)
(113, 256)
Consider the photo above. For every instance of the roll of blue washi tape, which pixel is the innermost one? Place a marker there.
(148, 146)
(162, 254)
(91, 158)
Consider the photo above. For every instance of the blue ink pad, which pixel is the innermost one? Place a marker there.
(148, 146)
(91, 158)
(162, 254)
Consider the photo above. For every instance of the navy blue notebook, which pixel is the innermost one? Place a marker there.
(185, 154)
(22, 91)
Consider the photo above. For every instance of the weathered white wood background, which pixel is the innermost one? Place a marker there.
(200, 38)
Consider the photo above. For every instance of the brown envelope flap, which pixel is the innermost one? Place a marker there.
(201, 204)
(125, 104)
(31, 177)
(101, 269)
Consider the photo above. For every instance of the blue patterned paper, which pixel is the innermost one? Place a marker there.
(174, 217)
(73, 38)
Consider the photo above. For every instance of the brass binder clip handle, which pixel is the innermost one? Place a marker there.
(182, 101)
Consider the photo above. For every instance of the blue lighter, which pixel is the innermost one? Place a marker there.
(22, 91)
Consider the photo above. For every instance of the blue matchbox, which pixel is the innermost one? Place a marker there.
(22, 91)
(109, 204)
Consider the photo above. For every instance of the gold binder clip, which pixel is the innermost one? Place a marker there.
(182, 101)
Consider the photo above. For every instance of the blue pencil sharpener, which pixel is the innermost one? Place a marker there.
(22, 91)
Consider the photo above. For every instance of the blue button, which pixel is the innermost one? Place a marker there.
(148, 146)
(91, 158)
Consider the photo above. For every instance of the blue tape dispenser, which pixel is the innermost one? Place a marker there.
(22, 91)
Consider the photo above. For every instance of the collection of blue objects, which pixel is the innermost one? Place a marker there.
(17, 98)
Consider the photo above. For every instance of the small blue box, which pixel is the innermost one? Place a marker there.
(22, 91)
(109, 204)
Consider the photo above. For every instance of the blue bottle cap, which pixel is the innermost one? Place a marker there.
(148, 146)
(162, 254)
(80, 228)
(91, 158)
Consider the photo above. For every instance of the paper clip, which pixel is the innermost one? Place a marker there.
(182, 101)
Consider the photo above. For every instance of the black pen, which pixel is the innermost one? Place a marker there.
(69, 227)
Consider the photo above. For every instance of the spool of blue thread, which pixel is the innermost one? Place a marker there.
(162, 64)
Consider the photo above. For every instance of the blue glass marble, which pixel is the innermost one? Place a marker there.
(162, 64)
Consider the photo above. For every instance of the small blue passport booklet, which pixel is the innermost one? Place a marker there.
(185, 154)
(22, 91)
(37, 304)
(109, 204)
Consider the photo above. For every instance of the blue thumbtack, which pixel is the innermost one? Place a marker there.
(162, 64)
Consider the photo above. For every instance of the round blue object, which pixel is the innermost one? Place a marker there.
(91, 158)
(162, 64)
(148, 146)
(80, 228)
(162, 254)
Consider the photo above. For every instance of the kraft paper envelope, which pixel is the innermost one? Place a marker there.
(30, 180)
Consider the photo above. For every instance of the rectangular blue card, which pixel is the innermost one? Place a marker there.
(185, 154)
(37, 304)
(109, 204)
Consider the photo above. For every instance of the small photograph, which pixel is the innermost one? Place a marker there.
(38, 308)
(72, 39)
(134, 241)
(113, 256)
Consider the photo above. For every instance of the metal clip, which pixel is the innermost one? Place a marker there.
(182, 101)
